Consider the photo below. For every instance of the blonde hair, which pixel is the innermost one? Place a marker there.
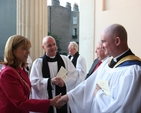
(12, 44)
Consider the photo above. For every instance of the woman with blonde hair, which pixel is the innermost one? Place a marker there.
(15, 86)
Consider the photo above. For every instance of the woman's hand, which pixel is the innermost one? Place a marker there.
(62, 101)
(53, 101)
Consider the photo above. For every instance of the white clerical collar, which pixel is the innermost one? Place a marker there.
(115, 59)
(52, 57)
(71, 58)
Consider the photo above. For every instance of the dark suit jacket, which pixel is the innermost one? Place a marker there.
(92, 67)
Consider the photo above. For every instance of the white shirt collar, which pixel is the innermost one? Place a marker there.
(115, 59)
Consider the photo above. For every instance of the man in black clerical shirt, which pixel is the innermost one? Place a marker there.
(44, 75)
(78, 61)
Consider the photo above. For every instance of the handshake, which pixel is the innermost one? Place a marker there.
(59, 101)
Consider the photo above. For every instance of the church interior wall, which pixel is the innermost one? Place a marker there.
(103, 13)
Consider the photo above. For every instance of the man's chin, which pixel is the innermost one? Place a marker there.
(54, 54)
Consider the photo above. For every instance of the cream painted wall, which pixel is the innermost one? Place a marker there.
(125, 12)
(95, 15)
(86, 31)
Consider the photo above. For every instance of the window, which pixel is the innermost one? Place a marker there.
(74, 35)
(74, 20)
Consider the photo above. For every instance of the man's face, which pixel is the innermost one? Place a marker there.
(50, 47)
(70, 50)
(108, 45)
(100, 52)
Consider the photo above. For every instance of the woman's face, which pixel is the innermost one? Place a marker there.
(21, 54)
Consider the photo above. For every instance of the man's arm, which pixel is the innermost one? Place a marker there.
(36, 78)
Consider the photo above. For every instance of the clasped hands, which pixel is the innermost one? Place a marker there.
(58, 81)
(59, 101)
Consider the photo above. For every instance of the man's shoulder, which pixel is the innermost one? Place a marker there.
(65, 58)
(81, 57)
(37, 61)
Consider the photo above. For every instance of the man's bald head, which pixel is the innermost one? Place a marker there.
(116, 30)
(49, 46)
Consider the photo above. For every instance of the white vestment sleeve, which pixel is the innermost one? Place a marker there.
(71, 78)
(125, 91)
(123, 88)
(39, 84)
(81, 68)
(81, 98)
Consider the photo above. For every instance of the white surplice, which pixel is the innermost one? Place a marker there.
(125, 91)
(39, 84)
(81, 68)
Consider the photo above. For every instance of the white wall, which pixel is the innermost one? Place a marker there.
(95, 15)
(86, 30)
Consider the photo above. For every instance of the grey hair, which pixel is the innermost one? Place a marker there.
(74, 45)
